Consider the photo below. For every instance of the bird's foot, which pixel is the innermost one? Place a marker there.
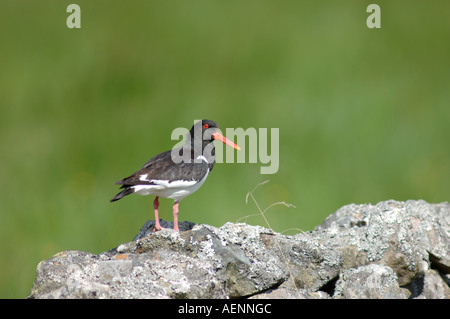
(157, 228)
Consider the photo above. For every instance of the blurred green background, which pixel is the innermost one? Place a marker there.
(363, 113)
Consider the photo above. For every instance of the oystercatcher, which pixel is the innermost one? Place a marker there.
(179, 172)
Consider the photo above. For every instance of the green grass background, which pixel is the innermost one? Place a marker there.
(363, 114)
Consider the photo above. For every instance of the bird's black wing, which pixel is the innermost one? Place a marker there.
(162, 167)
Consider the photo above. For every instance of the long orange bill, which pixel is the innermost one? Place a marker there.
(223, 139)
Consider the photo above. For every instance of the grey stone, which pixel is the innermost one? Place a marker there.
(406, 236)
(149, 227)
(369, 282)
(388, 250)
(429, 286)
(290, 293)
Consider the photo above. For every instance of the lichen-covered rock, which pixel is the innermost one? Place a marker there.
(389, 250)
(369, 282)
(406, 236)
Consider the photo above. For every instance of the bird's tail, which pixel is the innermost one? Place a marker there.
(125, 192)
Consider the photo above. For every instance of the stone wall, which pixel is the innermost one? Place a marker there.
(389, 250)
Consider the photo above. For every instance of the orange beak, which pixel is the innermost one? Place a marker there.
(223, 139)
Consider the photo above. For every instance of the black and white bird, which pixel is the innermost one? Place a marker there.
(179, 172)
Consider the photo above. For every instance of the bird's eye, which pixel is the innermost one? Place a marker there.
(205, 125)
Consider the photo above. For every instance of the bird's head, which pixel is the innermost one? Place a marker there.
(209, 131)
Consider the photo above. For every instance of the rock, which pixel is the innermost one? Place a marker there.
(389, 250)
(407, 236)
(149, 227)
(429, 286)
(290, 293)
(369, 282)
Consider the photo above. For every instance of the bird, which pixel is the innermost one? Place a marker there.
(176, 173)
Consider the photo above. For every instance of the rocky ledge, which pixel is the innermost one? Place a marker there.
(389, 250)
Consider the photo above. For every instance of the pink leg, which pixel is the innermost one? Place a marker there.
(175, 216)
(155, 206)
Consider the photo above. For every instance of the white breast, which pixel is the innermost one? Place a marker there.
(176, 190)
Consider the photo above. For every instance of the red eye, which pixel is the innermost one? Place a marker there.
(205, 125)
